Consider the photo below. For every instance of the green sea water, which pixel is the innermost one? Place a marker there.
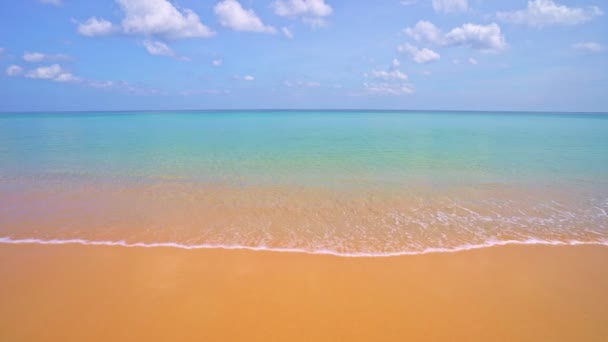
(419, 181)
(338, 148)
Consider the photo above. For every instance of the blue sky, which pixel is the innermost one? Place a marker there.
(388, 54)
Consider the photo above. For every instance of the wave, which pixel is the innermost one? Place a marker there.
(461, 248)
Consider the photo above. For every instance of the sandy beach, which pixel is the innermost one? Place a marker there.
(99, 293)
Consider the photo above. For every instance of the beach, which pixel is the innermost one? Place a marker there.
(303, 171)
(100, 293)
(303, 226)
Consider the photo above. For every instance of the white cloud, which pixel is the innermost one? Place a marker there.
(158, 48)
(395, 63)
(14, 70)
(53, 72)
(51, 2)
(101, 84)
(66, 77)
(35, 57)
(389, 88)
(48, 72)
(93, 27)
(217, 62)
(419, 55)
(311, 11)
(487, 38)
(392, 75)
(160, 17)
(472, 61)
(425, 31)
(449, 6)
(231, 14)
(540, 13)
(391, 82)
(57, 73)
(408, 2)
(286, 32)
(155, 47)
(589, 46)
(248, 78)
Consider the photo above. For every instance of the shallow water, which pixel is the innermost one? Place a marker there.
(346, 183)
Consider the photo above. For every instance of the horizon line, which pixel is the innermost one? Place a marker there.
(303, 110)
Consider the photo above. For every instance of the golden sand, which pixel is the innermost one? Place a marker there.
(512, 293)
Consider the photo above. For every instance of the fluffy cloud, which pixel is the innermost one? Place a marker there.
(35, 57)
(101, 84)
(150, 17)
(419, 55)
(66, 77)
(589, 46)
(95, 27)
(540, 13)
(231, 14)
(448, 6)
(487, 38)
(158, 48)
(248, 78)
(53, 72)
(311, 11)
(472, 61)
(391, 82)
(395, 63)
(392, 75)
(57, 73)
(14, 70)
(162, 18)
(217, 62)
(425, 31)
(51, 2)
(49, 72)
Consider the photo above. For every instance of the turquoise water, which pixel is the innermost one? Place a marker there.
(336, 148)
(344, 183)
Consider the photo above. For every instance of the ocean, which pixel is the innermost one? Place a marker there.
(347, 183)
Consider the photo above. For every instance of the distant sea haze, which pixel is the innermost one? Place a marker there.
(347, 183)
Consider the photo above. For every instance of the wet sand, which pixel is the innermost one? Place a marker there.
(344, 221)
(97, 293)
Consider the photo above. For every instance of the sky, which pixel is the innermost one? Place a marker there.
(519, 55)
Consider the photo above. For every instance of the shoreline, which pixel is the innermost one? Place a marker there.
(174, 245)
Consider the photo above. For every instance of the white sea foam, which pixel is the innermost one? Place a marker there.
(465, 247)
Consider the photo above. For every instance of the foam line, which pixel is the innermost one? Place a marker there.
(122, 243)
